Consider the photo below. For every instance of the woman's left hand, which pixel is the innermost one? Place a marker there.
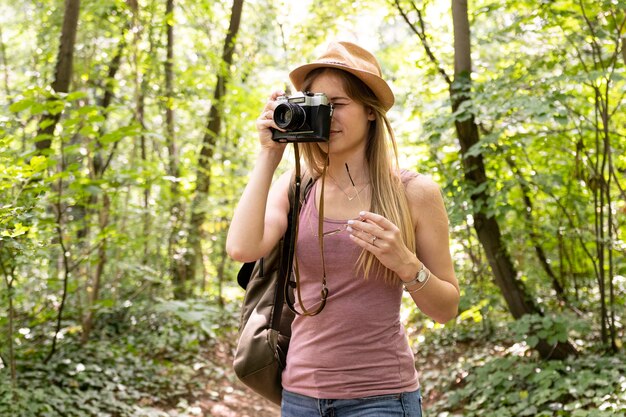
(382, 238)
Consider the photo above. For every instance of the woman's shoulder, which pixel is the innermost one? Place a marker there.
(425, 198)
(407, 175)
(285, 183)
(419, 187)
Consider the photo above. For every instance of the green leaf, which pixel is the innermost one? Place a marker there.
(21, 105)
(38, 163)
(532, 341)
(55, 107)
(18, 230)
(76, 95)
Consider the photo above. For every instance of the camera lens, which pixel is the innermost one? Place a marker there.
(289, 116)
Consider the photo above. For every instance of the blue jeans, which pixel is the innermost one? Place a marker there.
(406, 404)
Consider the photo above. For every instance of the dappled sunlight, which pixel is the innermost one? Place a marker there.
(128, 132)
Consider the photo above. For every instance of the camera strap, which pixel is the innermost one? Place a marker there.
(294, 238)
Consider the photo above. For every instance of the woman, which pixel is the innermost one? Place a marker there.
(384, 229)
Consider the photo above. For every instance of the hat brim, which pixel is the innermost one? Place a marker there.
(378, 86)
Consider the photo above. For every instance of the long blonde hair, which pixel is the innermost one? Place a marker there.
(381, 155)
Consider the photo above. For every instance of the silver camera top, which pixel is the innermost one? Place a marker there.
(306, 99)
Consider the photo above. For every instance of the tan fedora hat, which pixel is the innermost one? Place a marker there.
(353, 59)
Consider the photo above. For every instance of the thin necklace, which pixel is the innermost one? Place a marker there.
(357, 192)
(350, 197)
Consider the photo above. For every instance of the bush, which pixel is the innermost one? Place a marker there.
(144, 355)
(521, 386)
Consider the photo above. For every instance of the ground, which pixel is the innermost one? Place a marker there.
(236, 400)
(225, 396)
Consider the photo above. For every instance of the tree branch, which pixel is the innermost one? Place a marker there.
(421, 34)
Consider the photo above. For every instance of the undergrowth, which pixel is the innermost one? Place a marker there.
(144, 356)
(472, 371)
(161, 355)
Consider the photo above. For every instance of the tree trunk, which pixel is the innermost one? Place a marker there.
(63, 71)
(141, 85)
(61, 84)
(65, 267)
(221, 266)
(5, 65)
(175, 249)
(487, 228)
(9, 278)
(198, 213)
(94, 290)
(98, 167)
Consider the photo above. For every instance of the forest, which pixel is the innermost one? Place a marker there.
(127, 134)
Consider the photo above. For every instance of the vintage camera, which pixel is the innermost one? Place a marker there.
(305, 117)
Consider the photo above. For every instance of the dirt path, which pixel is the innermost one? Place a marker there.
(227, 397)
(239, 403)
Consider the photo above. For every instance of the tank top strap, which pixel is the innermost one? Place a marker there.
(407, 175)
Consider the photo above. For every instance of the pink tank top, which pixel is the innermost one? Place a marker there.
(357, 346)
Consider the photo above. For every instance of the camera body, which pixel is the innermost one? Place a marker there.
(304, 116)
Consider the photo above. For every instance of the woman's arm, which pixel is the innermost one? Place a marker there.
(439, 296)
(260, 218)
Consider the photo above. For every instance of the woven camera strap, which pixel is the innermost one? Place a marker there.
(292, 259)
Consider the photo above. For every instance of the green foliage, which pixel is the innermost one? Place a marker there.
(531, 328)
(516, 386)
(145, 354)
(209, 318)
(467, 369)
(105, 202)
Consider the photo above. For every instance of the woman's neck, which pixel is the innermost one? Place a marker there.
(348, 172)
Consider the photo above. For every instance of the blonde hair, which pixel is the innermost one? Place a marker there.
(381, 155)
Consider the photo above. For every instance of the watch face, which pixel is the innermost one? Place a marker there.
(421, 276)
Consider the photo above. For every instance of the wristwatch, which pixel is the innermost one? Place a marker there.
(420, 277)
(421, 274)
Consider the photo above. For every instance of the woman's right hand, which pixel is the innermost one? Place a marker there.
(265, 123)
